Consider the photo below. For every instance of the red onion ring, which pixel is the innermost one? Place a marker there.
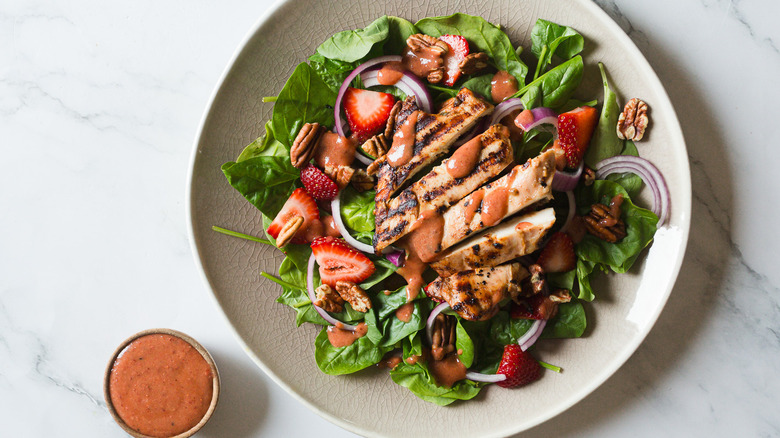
(649, 174)
(542, 116)
(572, 210)
(504, 108)
(486, 378)
(348, 80)
(310, 289)
(565, 181)
(429, 323)
(410, 84)
(533, 333)
(335, 209)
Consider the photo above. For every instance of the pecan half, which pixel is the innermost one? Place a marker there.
(433, 50)
(443, 336)
(588, 176)
(288, 231)
(473, 63)
(328, 299)
(376, 146)
(604, 222)
(340, 174)
(305, 144)
(354, 295)
(538, 280)
(633, 121)
(390, 126)
(362, 181)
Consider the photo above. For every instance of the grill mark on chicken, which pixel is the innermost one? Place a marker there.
(475, 294)
(438, 189)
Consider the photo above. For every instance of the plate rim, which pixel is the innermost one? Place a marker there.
(675, 131)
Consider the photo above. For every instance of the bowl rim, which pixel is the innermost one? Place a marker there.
(189, 340)
(675, 131)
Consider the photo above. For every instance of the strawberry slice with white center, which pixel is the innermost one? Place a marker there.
(299, 204)
(459, 49)
(338, 261)
(575, 128)
(558, 254)
(519, 367)
(367, 112)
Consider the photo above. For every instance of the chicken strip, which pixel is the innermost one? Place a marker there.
(511, 239)
(527, 184)
(491, 153)
(475, 295)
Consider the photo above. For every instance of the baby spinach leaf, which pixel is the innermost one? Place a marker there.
(562, 280)
(357, 209)
(640, 228)
(352, 45)
(332, 72)
(464, 345)
(345, 360)
(399, 30)
(533, 97)
(569, 322)
(605, 142)
(480, 85)
(584, 272)
(265, 181)
(421, 383)
(507, 330)
(482, 37)
(576, 103)
(384, 328)
(558, 84)
(267, 145)
(548, 39)
(384, 268)
(305, 98)
(632, 183)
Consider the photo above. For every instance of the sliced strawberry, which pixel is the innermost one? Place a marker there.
(558, 255)
(299, 204)
(519, 367)
(317, 184)
(575, 129)
(340, 262)
(367, 112)
(459, 48)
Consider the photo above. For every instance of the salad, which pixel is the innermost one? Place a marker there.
(442, 206)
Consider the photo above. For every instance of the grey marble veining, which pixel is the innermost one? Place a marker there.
(98, 110)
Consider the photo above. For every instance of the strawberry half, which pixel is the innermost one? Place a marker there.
(575, 128)
(519, 367)
(340, 262)
(298, 204)
(558, 255)
(459, 48)
(317, 184)
(367, 112)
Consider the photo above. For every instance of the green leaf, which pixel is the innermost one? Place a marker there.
(267, 145)
(533, 97)
(631, 182)
(584, 271)
(548, 39)
(384, 268)
(480, 85)
(640, 228)
(507, 330)
(464, 345)
(332, 72)
(558, 84)
(569, 322)
(399, 30)
(266, 182)
(345, 360)
(357, 209)
(352, 45)
(384, 328)
(562, 280)
(482, 37)
(605, 142)
(305, 98)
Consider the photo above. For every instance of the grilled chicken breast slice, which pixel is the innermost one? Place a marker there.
(525, 185)
(438, 189)
(475, 295)
(434, 134)
(511, 239)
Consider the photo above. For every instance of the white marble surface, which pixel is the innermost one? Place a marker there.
(99, 105)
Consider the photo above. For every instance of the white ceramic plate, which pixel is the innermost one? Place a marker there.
(368, 402)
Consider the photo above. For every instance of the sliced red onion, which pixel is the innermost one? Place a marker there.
(487, 378)
(310, 289)
(348, 80)
(533, 333)
(565, 181)
(396, 257)
(410, 84)
(504, 108)
(542, 116)
(429, 324)
(363, 159)
(649, 174)
(572, 210)
(335, 207)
